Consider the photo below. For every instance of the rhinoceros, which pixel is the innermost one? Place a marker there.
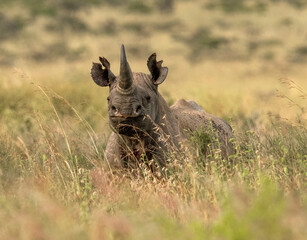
(144, 126)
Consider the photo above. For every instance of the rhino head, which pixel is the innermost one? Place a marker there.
(133, 97)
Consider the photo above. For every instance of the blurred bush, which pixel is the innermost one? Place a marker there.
(10, 27)
(72, 23)
(67, 19)
(255, 45)
(166, 6)
(139, 6)
(294, 3)
(56, 50)
(108, 27)
(53, 8)
(299, 54)
(203, 42)
(231, 6)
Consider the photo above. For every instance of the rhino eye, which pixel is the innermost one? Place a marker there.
(108, 98)
(148, 98)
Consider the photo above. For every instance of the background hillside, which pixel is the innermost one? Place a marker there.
(244, 61)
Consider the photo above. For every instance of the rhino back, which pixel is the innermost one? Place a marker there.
(192, 117)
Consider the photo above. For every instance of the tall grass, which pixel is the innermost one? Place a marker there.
(53, 186)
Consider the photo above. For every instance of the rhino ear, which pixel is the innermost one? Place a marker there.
(102, 76)
(158, 72)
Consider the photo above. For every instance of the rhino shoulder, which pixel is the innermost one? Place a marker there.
(194, 112)
(186, 105)
(192, 117)
(189, 114)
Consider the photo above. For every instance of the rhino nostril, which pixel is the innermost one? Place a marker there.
(138, 109)
(113, 108)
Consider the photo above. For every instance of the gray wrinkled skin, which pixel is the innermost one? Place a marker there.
(144, 126)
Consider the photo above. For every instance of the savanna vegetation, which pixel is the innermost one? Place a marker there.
(244, 61)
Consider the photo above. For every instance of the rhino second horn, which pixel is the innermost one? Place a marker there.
(125, 84)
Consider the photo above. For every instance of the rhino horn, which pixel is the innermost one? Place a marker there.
(125, 83)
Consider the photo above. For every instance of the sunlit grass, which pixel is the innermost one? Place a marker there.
(50, 169)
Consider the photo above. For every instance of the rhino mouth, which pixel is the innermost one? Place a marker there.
(129, 126)
(128, 130)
